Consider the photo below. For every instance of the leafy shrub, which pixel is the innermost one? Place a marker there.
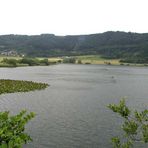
(12, 62)
(79, 61)
(69, 60)
(137, 60)
(29, 61)
(25, 61)
(59, 61)
(135, 125)
(12, 128)
(44, 61)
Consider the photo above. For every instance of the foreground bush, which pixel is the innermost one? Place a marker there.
(135, 125)
(12, 134)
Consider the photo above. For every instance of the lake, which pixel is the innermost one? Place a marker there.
(72, 112)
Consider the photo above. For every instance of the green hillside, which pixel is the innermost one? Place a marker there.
(131, 47)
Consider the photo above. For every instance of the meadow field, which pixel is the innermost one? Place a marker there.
(97, 59)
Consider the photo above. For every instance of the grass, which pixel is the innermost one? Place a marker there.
(51, 59)
(5, 65)
(97, 59)
(9, 57)
(12, 86)
(90, 57)
(54, 59)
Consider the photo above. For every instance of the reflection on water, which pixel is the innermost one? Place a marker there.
(72, 112)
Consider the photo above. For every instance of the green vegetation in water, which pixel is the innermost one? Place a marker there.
(12, 128)
(12, 86)
(135, 126)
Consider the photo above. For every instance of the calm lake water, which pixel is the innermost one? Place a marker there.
(72, 112)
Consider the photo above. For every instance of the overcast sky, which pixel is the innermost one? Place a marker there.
(70, 17)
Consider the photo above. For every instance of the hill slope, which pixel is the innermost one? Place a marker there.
(109, 44)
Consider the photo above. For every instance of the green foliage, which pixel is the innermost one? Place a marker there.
(26, 61)
(117, 143)
(12, 62)
(135, 59)
(135, 125)
(12, 128)
(11, 86)
(122, 109)
(90, 57)
(79, 61)
(107, 63)
(29, 61)
(44, 62)
(69, 60)
(59, 61)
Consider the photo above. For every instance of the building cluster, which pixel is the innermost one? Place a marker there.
(9, 53)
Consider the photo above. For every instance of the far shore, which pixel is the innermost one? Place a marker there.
(85, 59)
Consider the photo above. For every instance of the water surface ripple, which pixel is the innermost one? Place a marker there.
(72, 112)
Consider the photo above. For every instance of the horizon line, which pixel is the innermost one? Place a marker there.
(70, 34)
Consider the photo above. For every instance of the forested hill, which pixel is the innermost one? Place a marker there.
(109, 44)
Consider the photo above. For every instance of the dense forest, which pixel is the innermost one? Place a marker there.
(131, 47)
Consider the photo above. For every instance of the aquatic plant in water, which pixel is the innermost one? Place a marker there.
(12, 86)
